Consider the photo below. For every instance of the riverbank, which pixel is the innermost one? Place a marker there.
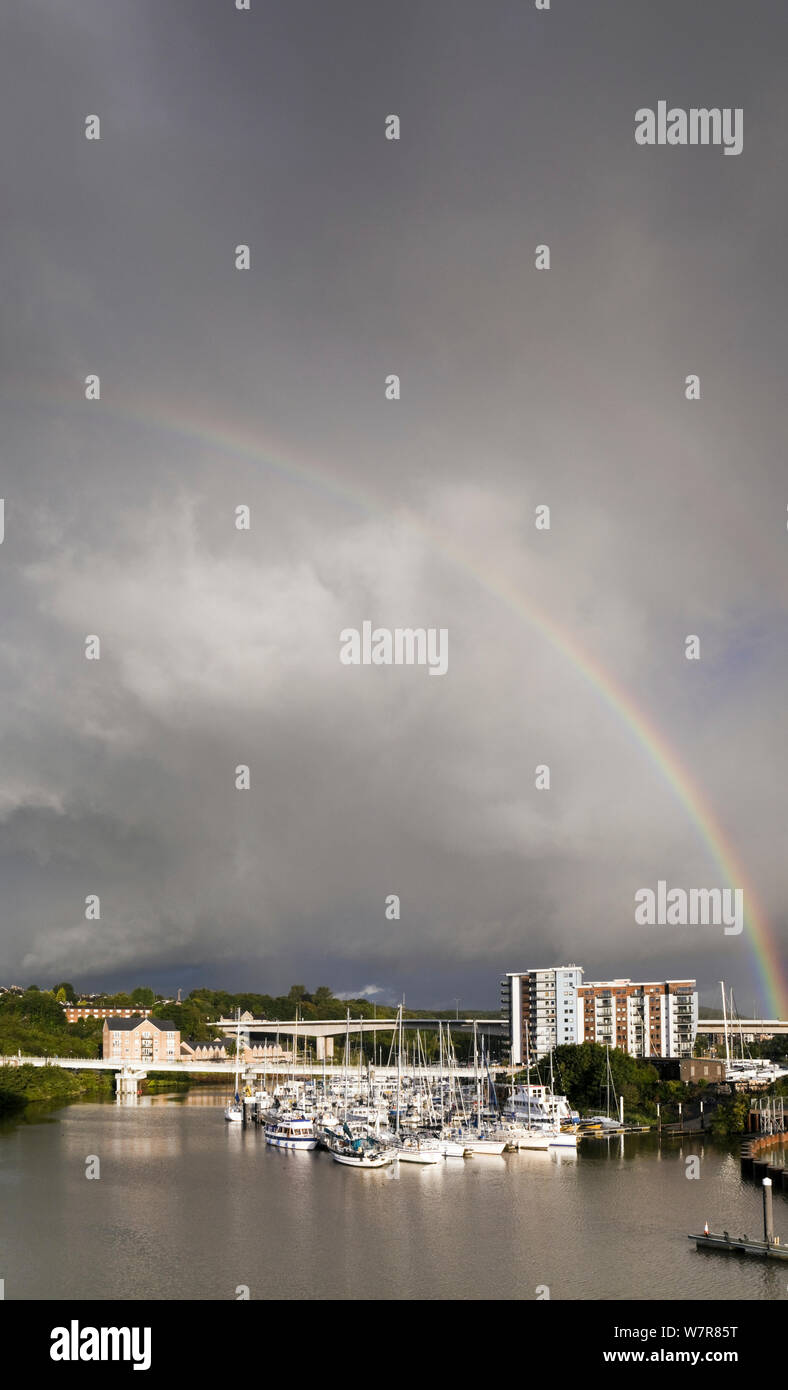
(24, 1084)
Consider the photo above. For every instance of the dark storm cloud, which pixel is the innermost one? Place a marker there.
(519, 387)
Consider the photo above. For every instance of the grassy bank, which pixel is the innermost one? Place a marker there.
(21, 1085)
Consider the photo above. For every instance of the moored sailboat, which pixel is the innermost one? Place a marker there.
(234, 1112)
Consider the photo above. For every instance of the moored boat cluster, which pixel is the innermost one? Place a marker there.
(368, 1121)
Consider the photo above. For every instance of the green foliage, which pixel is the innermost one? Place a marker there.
(34, 1024)
(581, 1071)
(25, 1083)
(730, 1118)
(143, 996)
(35, 1006)
(218, 1003)
(69, 992)
(189, 1019)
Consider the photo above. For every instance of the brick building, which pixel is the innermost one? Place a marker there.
(546, 1008)
(76, 1011)
(655, 1018)
(140, 1040)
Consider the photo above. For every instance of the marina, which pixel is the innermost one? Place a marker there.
(367, 1117)
(189, 1206)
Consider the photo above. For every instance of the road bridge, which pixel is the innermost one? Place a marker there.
(325, 1031)
(133, 1072)
(773, 1027)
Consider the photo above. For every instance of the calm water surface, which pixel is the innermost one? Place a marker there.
(188, 1206)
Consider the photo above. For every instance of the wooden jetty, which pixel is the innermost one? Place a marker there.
(768, 1248)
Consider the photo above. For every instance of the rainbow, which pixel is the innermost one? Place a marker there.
(191, 423)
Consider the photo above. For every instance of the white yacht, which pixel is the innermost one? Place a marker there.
(520, 1136)
(290, 1132)
(477, 1142)
(562, 1139)
(537, 1107)
(414, 1149)
(452, 1148)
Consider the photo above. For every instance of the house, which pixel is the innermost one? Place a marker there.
(223, 1049)
(146, 1040)
(214, 1051)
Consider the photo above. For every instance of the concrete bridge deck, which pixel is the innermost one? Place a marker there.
(770, 1026)
(249, 1071)
(326, 1031)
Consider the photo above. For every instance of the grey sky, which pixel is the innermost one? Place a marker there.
(518, 387)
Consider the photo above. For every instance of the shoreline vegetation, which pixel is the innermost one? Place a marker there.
(23, 1084)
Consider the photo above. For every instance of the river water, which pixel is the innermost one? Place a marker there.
(188, 1206)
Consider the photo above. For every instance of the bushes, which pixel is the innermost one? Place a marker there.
(23, 1084)
(730, 1118)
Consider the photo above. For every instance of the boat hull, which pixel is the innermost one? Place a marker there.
(366, 1162)
(563, 1141)
(424, 1156)
(295, 1143)
(292, 1143)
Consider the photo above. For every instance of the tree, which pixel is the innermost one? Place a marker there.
(41, 1008)
(730, 1118)
(296, 994)
(69, 993)
(323, 995)
(143, 996)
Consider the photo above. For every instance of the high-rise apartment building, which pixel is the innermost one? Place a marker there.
(546, 1008)
(543, 1009)
(655, 1018)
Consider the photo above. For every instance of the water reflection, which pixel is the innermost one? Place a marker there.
(609, 1221)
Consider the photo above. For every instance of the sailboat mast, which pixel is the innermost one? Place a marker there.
(738, 1020)
(476, 1076)
(528, 1069)
(725, 1024)
(440, 1072)
(399, 1067)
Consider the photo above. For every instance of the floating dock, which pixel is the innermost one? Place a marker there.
(741, 1246)
(769, 1248)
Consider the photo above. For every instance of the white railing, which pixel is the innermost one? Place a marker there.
(260, 1069)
